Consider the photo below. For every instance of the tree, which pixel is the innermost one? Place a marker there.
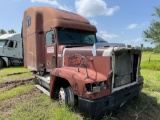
(11, 31)
(157, 49)
(2, 32)
(152, 34)
(149, 49)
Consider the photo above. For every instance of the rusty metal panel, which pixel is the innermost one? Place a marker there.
(98, 70)
(34, 52)
(43, 18)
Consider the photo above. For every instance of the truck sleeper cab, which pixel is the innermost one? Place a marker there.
(98, 76)
(10, 50)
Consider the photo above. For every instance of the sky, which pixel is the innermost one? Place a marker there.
(117, 21)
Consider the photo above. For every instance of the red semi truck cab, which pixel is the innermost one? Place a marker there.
(99, 77)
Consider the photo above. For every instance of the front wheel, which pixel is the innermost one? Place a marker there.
(1, 62)
(66, 96)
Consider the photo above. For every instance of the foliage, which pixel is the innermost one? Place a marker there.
(149, 49)
(11, 31)
(2, 31)
(152, 34)
(145, 49)
(157, 49)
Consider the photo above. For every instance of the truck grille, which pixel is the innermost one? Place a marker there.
(125, 68)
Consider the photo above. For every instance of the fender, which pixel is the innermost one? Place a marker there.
(77, 80)
(6, 61)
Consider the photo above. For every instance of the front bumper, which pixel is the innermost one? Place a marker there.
(110, 102)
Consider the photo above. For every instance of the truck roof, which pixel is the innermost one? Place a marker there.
(13, 36)
(43, 18)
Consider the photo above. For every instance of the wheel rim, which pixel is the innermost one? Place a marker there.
(62, 97)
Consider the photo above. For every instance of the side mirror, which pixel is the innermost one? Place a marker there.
(53, 38)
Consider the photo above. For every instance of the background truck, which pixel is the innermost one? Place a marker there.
(10, 49)
(98, 77)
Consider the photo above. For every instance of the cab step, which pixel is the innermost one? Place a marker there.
(43, 83)
(43, 89)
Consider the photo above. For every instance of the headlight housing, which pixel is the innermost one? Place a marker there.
(96, 87)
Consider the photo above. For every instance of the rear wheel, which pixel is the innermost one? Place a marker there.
(41, 73)
(1, 62)
(66, 96)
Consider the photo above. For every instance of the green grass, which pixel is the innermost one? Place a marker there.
(43, 108)
(10, 70)
(16, 91)
(146, 56)
(153, 63)
(151, 79)
(16, 77)
(15, 69)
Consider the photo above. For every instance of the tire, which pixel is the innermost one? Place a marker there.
(66, 96)
(41, 73)
(1, 63)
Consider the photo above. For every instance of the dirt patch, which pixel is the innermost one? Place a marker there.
(14, 83)
(14, 74)
(7, 105)
(157, 90)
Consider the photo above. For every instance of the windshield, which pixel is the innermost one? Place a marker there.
(72, 36)
(3, 43)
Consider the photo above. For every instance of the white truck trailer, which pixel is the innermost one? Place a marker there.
(11, 52)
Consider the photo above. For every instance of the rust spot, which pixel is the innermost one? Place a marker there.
(75, 88)
(73, 61)
(57, 72)
(75, 85)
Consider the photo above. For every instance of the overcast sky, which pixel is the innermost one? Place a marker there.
(119, 21)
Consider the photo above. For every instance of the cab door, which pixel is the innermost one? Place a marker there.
(51, 51)
(11, 50)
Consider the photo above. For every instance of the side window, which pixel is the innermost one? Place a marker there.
(5, 44)
(11, 44)
(15, 44)
(50, 37)
(28, 21)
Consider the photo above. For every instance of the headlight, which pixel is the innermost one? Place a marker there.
(96, 87)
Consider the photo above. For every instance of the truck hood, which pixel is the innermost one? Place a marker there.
(86, 51)
(85, 56)
(97, 49)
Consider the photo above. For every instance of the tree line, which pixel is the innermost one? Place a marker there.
(152, 34)
(150, 49)
(2, 31)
